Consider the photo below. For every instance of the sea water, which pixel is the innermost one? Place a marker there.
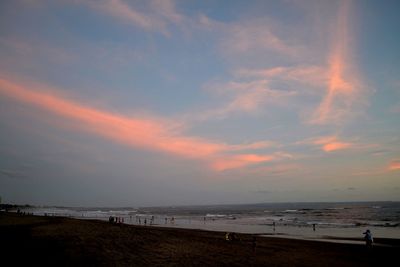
(296, 220)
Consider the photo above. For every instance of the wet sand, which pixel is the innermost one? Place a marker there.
(34, 240)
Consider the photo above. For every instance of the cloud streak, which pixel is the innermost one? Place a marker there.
(343, 83)
(328, 143)
(243, 97)
(146, 133)
(311, 75)
(156, 16)
(331, 143)
(255, 35)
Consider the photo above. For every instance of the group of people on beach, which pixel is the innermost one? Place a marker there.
(151, 221)
(228, 236)
(115, 219)
(23, 212)
(139, 220)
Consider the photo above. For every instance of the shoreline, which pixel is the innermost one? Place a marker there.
(299, 221)
(66, 241)
(324, 234)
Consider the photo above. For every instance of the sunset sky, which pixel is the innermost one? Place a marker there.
(162, 102)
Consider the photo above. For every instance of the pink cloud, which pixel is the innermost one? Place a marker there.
(146, 133)
(239, 161)
(343, 82)
(335, 146)
(330, 143)
(394, 165)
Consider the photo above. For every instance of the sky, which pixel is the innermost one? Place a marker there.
(163, 102)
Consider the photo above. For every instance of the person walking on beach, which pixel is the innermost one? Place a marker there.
(368, 238)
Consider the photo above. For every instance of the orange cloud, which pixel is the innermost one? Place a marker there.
(239, 161)
(147, 133)
(394, 165)
(343, 85)
(330, 143)
(335, 146)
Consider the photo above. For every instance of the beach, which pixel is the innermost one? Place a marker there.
(40, 240)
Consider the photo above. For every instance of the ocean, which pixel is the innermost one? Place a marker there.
(344, 220)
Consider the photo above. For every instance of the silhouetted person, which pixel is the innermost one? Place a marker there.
(313, 227)
(368, 238)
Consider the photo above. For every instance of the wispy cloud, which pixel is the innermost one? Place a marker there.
(243, 97)
(304, 74)
(252, 146)
(238, 161)
(331, 143)
(145, 132)
(328, 143)
(167, 9)
(155, 16)
(344, 87)
(255, 35)
(329, 147)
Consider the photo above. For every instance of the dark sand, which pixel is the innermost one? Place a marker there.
(32, 240)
